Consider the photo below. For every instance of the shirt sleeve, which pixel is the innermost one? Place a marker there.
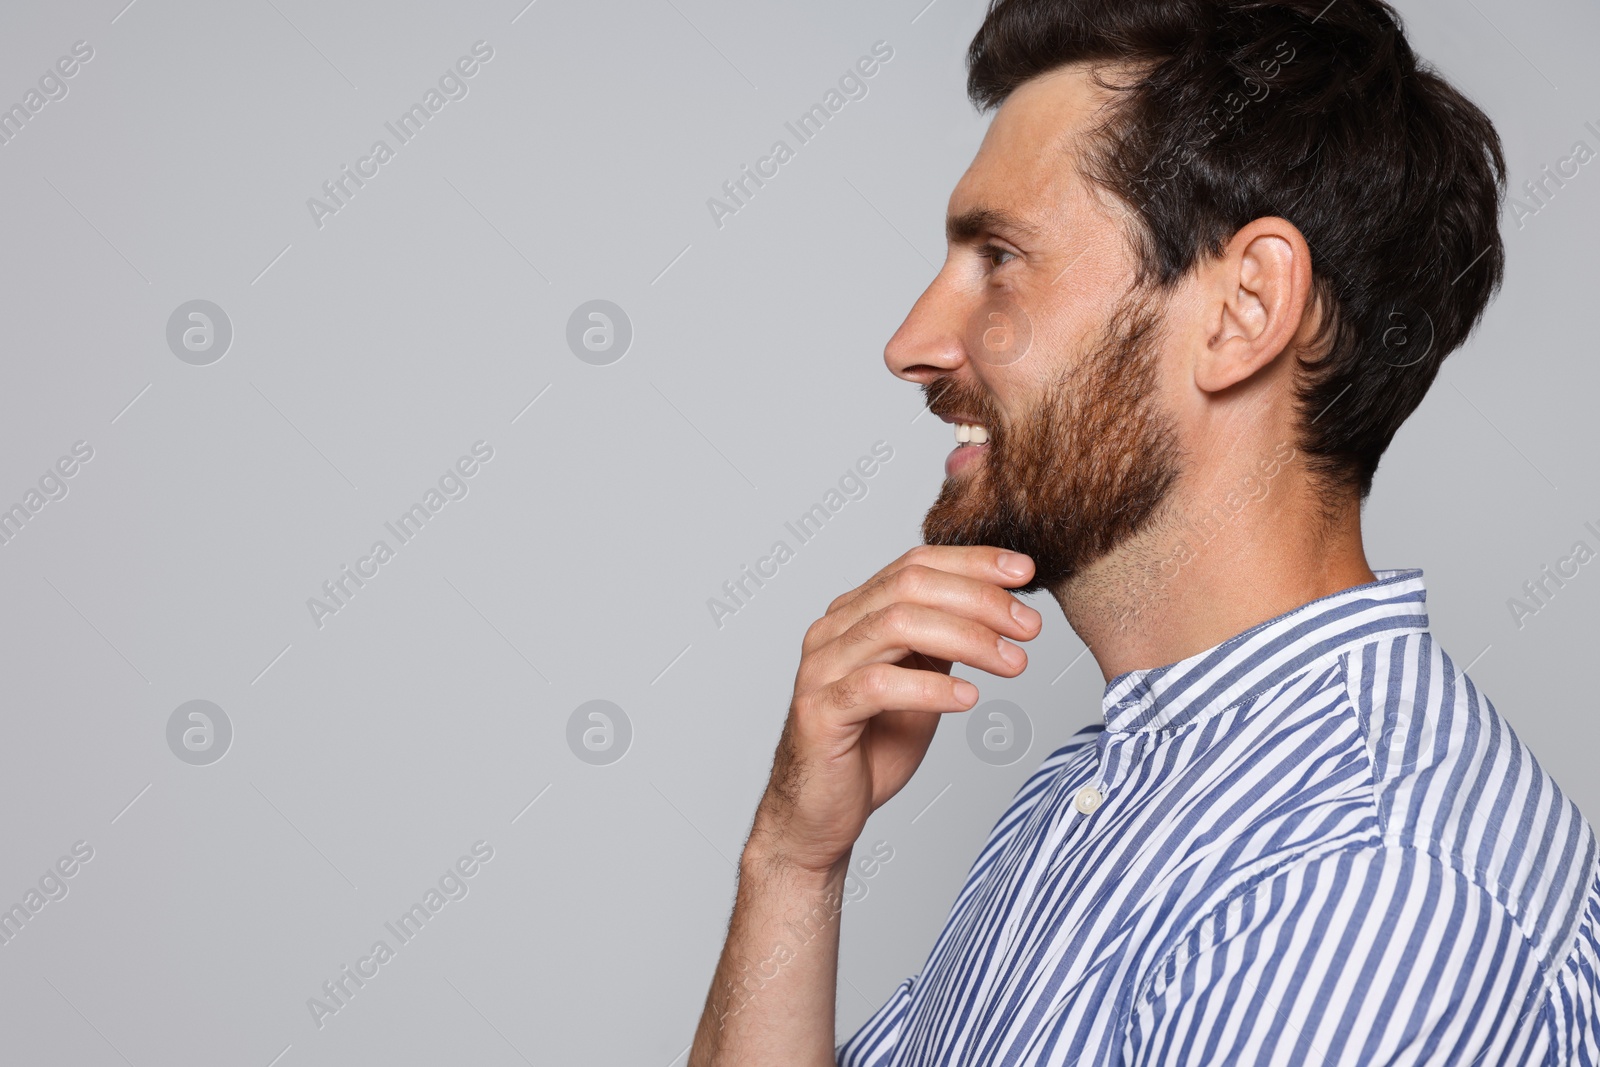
(874, 1043)
(1371, 956)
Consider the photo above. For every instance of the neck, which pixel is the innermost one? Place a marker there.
(1199, 575)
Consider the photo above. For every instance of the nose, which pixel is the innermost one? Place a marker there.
(929, 342)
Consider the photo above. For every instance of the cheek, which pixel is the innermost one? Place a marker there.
(1057, 346)
(1174, 380)
(999, 334)
(1013, 391)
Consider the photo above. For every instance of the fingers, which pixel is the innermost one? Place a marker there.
(879, 687)
(887, 647)
(890, 633)
(972, 593)
(980, 562)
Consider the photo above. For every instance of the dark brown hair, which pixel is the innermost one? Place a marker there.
(1315, 112)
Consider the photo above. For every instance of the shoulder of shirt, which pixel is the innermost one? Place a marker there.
(1563, 992)
(1451, 779)
(1454, 788)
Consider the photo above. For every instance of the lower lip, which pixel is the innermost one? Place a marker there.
(963, 456)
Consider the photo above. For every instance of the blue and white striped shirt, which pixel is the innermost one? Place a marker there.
(1316, 843)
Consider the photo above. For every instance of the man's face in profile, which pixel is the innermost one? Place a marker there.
(1032, 331)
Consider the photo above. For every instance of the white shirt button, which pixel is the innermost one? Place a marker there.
(1087, 800)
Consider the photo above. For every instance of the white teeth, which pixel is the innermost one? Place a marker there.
(971, 433)
(980, 435)
(963, 433)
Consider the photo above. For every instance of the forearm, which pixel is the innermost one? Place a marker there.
(772, 998)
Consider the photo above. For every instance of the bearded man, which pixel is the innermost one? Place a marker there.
(1166, 334)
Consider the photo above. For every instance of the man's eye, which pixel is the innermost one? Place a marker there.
(993, 254)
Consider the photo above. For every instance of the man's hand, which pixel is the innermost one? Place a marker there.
(874, 677)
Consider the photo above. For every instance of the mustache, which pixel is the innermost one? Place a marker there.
(948, 396)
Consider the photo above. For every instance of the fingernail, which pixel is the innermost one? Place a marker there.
(1013, 564)
(965, 691)
(1022, 613)
(1011, 653)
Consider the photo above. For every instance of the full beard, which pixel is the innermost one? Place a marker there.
(1084, 469)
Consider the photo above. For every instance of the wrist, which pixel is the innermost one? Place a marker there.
(767, 856)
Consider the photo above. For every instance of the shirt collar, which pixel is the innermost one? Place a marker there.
(1165, 697)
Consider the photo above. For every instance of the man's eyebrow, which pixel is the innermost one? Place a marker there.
(969, 225)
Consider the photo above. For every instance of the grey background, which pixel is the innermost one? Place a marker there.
(432, 711)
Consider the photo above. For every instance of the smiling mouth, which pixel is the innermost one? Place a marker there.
(972, 441)
(971, 433)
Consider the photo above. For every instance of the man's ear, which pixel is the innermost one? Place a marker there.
(1256, 296)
